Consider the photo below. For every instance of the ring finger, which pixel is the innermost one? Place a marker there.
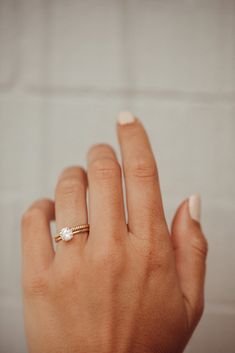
(71, 207)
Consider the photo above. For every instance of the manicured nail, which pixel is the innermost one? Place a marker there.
(195, 207)
(125, 118)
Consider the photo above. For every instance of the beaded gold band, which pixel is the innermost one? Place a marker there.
(67, 233)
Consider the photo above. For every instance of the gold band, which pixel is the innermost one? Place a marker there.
(67, 233)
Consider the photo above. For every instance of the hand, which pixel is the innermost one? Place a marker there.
(135, 288)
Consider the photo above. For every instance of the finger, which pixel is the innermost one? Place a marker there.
(37, 247)
(106, 207)
(144, 203)
(70, 206)
(190, 248)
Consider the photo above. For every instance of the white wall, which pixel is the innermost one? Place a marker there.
(67, 68)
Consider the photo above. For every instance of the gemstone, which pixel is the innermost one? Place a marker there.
(66, 234)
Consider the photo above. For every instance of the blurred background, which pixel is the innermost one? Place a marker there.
(67, 68)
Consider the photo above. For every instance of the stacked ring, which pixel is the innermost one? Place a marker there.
(67, 233)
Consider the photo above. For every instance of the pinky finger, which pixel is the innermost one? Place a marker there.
(37, 247)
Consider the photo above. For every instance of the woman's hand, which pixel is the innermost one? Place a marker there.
(134, 288)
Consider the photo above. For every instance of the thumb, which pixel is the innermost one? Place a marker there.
(190, 247)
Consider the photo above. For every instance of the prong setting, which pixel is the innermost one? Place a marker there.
(66, 234)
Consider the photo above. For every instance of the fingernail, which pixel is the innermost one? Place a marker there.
(195, 207)
(125, 118)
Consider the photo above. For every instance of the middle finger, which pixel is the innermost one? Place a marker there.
(106, 208)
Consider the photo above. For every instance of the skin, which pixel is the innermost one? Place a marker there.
(136, 288)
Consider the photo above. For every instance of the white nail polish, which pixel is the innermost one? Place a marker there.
(125, 118)
(195, 207)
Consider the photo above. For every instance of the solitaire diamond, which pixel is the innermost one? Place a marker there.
(66, 234)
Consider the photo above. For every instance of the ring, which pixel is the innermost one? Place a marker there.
(67, 233)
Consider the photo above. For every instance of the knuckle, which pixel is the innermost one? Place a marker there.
(109, 259)
(69, 185)
(156, 259)
(200, 245)
(73, 170)
(101, 148)
(105, 168)
(31, 216)
(142, 168)
(160, 261)
(36, 285)
(65, 279)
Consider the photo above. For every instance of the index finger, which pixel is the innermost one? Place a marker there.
(144, 202)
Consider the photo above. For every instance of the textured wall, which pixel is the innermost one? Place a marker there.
(67, 68)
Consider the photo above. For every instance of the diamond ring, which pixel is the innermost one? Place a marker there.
(67, 233)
